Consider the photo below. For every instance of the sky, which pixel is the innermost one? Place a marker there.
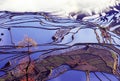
(62, 7)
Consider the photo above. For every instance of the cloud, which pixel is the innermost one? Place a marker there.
(62, 6)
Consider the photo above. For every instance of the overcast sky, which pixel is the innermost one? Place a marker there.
(63, 6)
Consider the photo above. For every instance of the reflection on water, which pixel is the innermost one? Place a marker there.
(39, 35)
(71, 76)
(80, 76)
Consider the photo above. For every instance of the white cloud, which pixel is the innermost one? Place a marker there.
(62, 6)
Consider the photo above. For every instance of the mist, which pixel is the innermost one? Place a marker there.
(61, 7)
